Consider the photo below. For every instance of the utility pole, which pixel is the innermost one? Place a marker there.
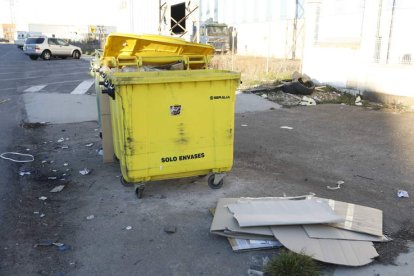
(295, 28)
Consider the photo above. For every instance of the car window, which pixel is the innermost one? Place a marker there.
(52, 41)
(34, 40)
(62, 42)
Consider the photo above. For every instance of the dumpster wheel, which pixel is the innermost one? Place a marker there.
(124, 182)
(212, 184)
(139, 190)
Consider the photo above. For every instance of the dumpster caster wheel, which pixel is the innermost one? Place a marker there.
(214, 185)
(139, 190)
(124, 182)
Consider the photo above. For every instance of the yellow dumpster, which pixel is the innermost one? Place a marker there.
(170, 124)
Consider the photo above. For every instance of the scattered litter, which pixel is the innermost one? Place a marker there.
(44, 161)
(286, 127)
(307, 101)
(23, 173)
(95, 129)
(42, 215)
(64, 247)
(52, 177)
(244, 125)
(61, 140)
(128, 227)
(64, 147)
(85, 171)
(27, 149)
(65, 164)
(253, 272)
(36, 212)
(339, 183)
(67, 139)
(29, 159)
(57, 189)
(358, 101)
(54, 170)
(100, 152)
(361, 176)
(170, 229)
(264, 96)
(4, 100)
(91, 217)
(44, 243)
(43, 198)
(402, 193)
(51, 161)
(89, 145)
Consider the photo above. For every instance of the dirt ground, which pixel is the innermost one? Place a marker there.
(371, 151)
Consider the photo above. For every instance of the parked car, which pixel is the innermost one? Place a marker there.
(46, 48)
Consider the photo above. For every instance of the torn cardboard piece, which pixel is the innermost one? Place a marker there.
(358, 218)
(341, 252)
(320, 231)
(225, 224)
(283, 212)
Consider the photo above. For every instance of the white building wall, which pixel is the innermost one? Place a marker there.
(138, 16)
(353, 59)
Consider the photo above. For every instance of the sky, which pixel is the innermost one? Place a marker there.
(60, 12)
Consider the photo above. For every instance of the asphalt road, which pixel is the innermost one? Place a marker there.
(371, 151)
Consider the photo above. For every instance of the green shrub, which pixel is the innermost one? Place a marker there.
(292, 264)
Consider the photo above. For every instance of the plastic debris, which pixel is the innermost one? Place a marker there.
(89, 145)
(65, 164)
(286, 127)
(358, 101)
(27, 149)
(4, 100)
(42, 198)
(23, 173)
(100, 152)
(85, 171)
(170, 229)
(244, 125)
(35, 212)
(61, 140)
(264, 96)
(54, 170)
(402, 193)
(42, 215)
(307, 101)
(64, 247)
(90, 217)
(57, 189)
(30, 158)
(339, 183)
(64, 147)
(128, 227)
(44, 161)
(52, 177)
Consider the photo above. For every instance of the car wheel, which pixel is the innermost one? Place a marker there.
(46, 55)
(33, 57)
(76, 54)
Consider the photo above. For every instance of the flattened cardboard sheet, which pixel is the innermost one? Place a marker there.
(239, 245)
(283, 212)
(225, 224)
(341, 252)
(357, 218)
(320, 231)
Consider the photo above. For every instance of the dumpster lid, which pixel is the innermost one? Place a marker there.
(123, 78)
(118, 44)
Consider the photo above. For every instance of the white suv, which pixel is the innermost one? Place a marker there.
(46, 48)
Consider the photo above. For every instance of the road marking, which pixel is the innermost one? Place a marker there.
(35, 88)
(83, 87)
